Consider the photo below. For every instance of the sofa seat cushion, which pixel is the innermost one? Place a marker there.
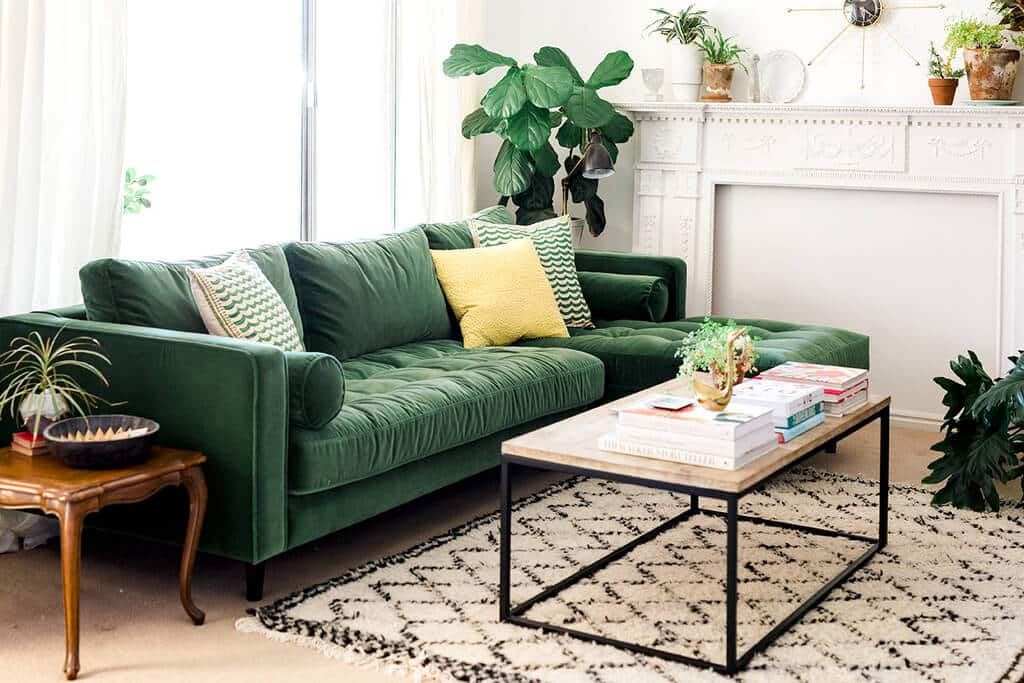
(638, 354)
(412, 401)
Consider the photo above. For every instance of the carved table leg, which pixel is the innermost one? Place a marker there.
(195, 483)
(71, 563)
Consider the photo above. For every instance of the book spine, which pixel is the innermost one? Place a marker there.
(721, 430)
(722, 447)
(796, 418)
(686, 457)
(786, 435)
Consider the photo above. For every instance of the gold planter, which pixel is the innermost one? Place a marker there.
(718, 82)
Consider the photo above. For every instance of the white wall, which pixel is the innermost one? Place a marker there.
(587, 30)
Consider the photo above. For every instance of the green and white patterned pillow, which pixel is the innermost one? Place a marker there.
(235, 299)
(553, 240)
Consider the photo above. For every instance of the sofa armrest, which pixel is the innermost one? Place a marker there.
(670, 269)
(615, 296)
(225, 397)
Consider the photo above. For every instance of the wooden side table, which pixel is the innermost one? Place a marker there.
(43, 482)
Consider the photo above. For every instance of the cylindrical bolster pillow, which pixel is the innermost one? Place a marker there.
(316, 388)
(615, 296)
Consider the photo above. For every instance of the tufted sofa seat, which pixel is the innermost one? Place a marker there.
(412, 401)
(637, 354)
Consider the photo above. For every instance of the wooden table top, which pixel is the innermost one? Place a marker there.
(45, 475)
(573, 442)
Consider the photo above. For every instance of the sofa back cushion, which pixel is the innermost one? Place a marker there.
(457, 235)
(357, 297)
(158, 293)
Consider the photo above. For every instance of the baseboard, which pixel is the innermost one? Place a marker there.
(914, 419)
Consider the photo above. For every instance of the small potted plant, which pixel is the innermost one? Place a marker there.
(944, 78)
(683, 31)
(39, 386)
(704, 351)
(722, 55)
(991, 67)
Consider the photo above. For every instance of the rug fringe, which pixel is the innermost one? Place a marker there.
(405, 670)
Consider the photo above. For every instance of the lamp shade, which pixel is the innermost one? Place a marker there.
(597, 163)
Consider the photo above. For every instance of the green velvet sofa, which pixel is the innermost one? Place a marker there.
(386, 405)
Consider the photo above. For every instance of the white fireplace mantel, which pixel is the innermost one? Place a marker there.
(684, 151)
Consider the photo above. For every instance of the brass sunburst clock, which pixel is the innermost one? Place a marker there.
(863, 15)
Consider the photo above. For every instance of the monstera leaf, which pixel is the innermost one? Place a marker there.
(468, 60)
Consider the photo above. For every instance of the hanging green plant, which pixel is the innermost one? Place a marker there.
(135, 191)
(525, 105)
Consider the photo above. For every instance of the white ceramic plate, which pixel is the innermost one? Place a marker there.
(782, 76)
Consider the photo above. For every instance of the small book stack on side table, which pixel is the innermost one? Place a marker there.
(43, 482)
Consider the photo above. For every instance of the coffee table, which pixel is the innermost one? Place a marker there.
(570, 446)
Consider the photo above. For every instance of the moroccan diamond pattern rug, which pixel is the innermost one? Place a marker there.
(943, 602)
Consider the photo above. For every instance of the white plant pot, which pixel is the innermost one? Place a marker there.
(687, 72)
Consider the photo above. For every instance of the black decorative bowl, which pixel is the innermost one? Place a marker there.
(101, 455)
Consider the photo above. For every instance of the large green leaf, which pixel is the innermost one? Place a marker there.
(580, 188)
(477, 122)
(1004, 396)
(613, 149)
(553, 56)
(529, 128)
(569, 136)
(538, 197)
(547, 86)
(613, 69)
(587, 110)
(506, 97)
(512, 170)
(545, 160)
(466, 60)
(619, 129)
(596, 220)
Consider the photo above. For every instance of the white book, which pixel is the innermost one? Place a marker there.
(784, 398)
(698, 444)
(735, 422)
(609, 442)
(847, 405)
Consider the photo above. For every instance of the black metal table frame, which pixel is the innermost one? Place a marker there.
(733, 662)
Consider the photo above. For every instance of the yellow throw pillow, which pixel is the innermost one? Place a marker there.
(499, 294)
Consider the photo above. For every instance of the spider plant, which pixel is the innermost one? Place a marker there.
(39, 385)
(687, 26)
(721, 50)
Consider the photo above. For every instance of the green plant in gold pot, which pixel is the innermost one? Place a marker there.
(41, 386)
(722, 55)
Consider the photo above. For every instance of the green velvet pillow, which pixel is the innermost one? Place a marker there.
(159, 294)
(357, 297)
(615, 296)
(316, 389)
(456, 234)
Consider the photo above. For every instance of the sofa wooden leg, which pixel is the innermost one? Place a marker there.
(254, 574)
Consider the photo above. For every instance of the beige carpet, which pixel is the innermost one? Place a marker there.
(134, 629)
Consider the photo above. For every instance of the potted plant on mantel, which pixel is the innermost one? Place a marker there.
(944, 78)
(722, 55)
(991, 66)
(683, 31)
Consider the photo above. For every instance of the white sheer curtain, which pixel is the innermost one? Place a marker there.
(435, 167)
(62, 99)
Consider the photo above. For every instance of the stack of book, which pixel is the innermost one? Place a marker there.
(678, 430)
(796, 408)
(24, 443)
(845, 388)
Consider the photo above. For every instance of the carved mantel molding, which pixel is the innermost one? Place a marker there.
(683, 151)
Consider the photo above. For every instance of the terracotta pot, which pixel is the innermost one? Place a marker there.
(943, 90)
(991, 73)
(718, 82)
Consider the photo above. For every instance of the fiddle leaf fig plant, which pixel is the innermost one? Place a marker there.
(527, 103)
(983, 434)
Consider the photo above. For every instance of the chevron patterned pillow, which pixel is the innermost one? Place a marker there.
(553, 241)
(235, 299)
